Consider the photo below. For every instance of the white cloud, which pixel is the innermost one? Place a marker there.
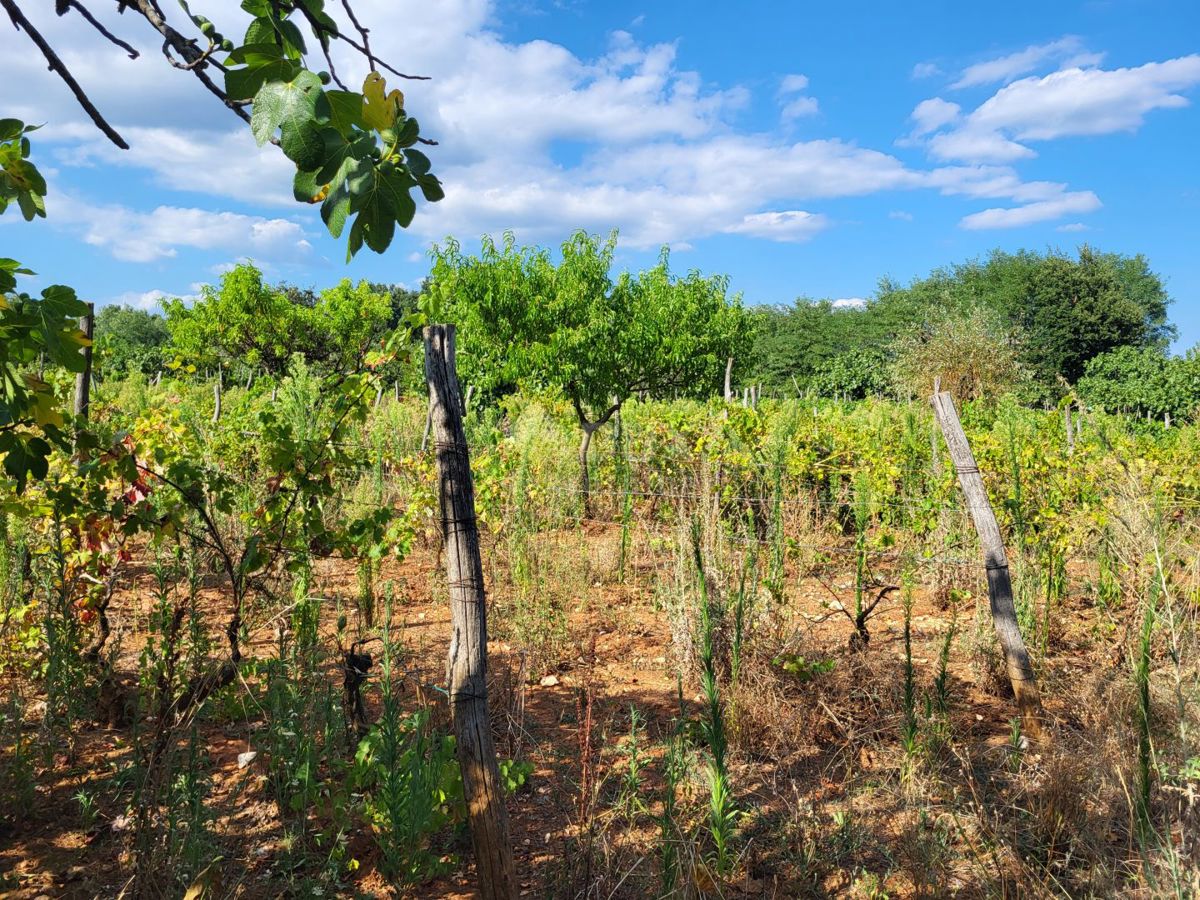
(654, 148)
(901, 215)
(1067, 103)
(925, 70)
(792, 225)
(1088, 101)
(150, 300)
(794, 107)
(930, 115)
(801, 106)
(1069, 203)
(1006, 68)
(975, 144)
(849, 303)
(222, 163)
(1073, 226)
(793, 84)
(134, 236)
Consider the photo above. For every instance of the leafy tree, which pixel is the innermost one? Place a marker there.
(246, 322)
(974, 354)
(243, 321)
(796, 344)
(571, 326)
(851, 376)
(355, 150)
(19, 178)
(31, 420)
(1068, 309)
(129, 340)
(1075, 310)
(1143, 381)
(33, 330)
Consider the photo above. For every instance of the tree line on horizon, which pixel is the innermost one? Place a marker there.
(1043, 326)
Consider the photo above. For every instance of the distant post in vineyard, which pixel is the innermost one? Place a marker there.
(466, 667)
(1004, 611)
(83, 380)
(217, 385)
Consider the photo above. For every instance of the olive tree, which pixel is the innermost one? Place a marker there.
(525, 320)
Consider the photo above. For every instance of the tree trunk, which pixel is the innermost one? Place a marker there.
(466, 666)
(1004, 611)
(249, 379)
(83, 380)
(585, 482)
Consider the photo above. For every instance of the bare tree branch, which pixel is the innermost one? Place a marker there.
(64, 5)
(56, 65)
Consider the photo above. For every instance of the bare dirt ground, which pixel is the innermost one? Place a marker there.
(801, 754)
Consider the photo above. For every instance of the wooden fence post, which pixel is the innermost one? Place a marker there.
(728, 380)
(83, 380)
(1004, 611)
(466, 666)
(217, 390)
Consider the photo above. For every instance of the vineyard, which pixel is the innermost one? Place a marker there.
(561, 571)
(755, 659)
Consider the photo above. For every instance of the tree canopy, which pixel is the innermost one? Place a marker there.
(525, 320)
(246, 322)
(129, 340)
(572, 326)
(1068, 309)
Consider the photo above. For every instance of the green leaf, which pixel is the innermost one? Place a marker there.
(31, 205)
(305, 186)
(380, 195)
(409, 131)
(263, 63)
(345, 111)
(293, 108)
(431, 188)
(418, 162)
(260, 31)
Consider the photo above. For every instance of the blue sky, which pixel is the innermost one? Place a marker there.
(802, 149)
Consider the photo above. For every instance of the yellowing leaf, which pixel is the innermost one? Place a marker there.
(45, 411)
(380, 109)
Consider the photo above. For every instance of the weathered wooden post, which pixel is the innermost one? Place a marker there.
(466, 667)
(83, 380)
(217, 385)
(1004, 610)
(728, 380)
(1070, 431)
